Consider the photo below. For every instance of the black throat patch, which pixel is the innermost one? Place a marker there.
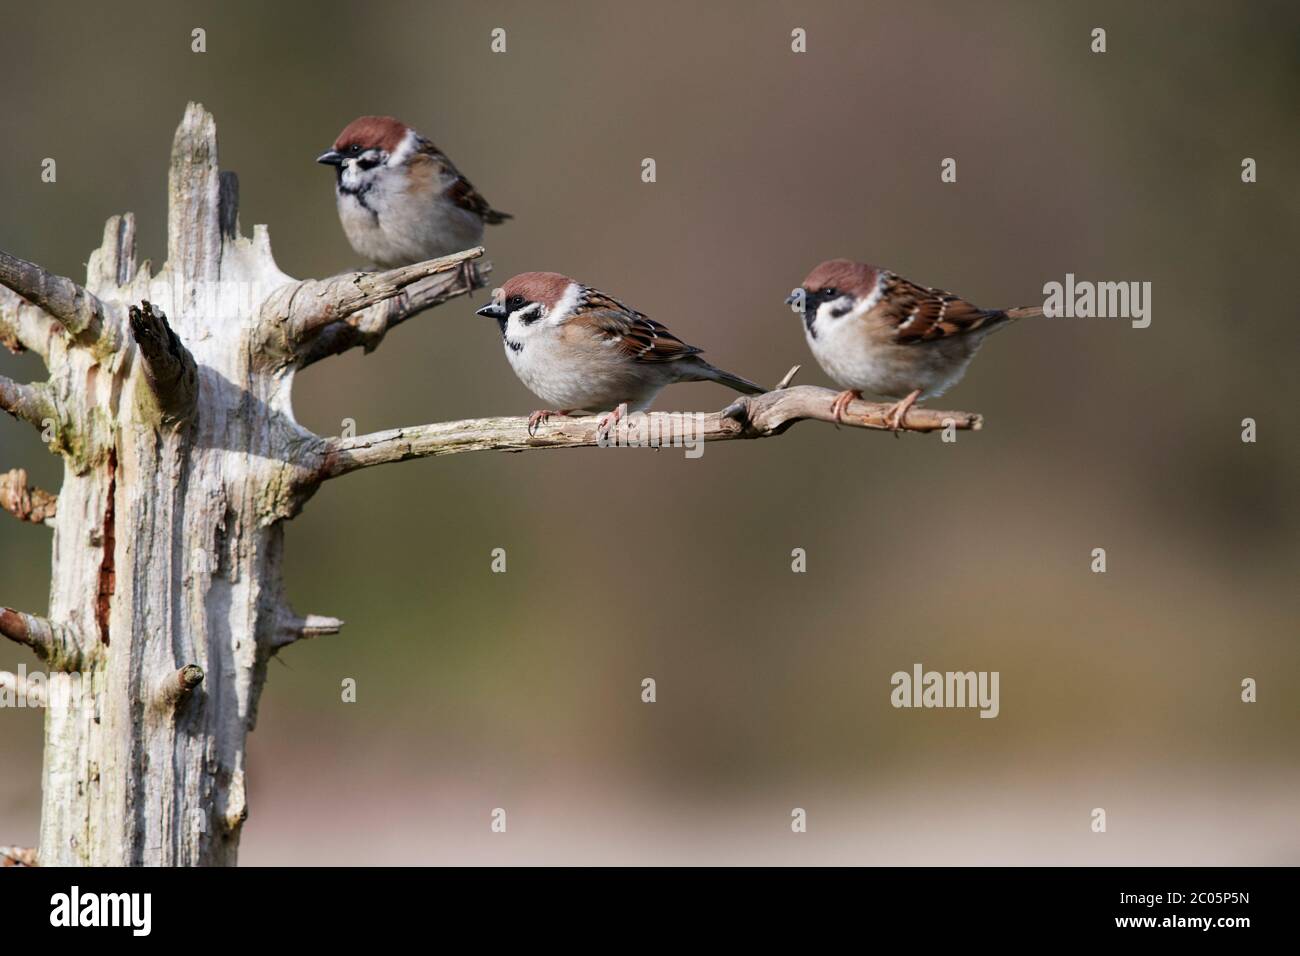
(809, 320)
(358, 193)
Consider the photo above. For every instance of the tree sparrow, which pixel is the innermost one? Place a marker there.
(400, 199)
(872, 330)
(577, 348)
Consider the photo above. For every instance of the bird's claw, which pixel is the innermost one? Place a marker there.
(467, 275)
(898, 412)
(542, 416)
(841, 403)
(610, 419)
(537, 418)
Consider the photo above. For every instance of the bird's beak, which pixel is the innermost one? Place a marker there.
(494, 310)
(330, 159)
(792, 297)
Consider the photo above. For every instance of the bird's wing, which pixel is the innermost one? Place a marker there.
(459, 191)
(917, 314)
(640, 338)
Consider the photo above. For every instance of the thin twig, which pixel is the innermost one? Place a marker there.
(25, 502)
(18, 856)
(177, 687)
(293, 628)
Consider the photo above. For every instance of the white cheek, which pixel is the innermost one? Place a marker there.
(831, 314)
(517, 328)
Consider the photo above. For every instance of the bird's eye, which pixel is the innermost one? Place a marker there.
(353, 150)
(830, 293)
(514, 302)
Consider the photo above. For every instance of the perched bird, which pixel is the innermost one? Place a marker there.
(872, 330)
(400, 199)
(577, 348)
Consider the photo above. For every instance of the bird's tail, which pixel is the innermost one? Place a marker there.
(1025, 312)
(711, 373)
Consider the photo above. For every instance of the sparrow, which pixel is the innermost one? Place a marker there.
(400, 199)
(872, 330)
(577, 348)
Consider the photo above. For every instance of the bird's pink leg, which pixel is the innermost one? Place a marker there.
(842, 402)
(543, 415)
(467, 275)
(610, 419)
(898, 411)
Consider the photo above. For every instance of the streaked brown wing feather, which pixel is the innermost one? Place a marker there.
(922, 315)
(639, 337)
(461, 191)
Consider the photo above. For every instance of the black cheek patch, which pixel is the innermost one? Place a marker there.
(810, 317)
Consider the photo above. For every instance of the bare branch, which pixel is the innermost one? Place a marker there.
(368, 327)
(81, 312)
(56, 644)
(24, 502)
(169, 368)
(22, 689)
(178, 686)
(307, 307)
(294, 628)
(30, 403)
(17, 856)
(752, 416)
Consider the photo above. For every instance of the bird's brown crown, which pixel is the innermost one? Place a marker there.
(372, 132)
(855, 278)
(544, 287)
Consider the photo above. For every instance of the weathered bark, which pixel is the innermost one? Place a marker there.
(168, 400)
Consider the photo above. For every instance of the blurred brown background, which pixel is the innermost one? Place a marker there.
(521, 690)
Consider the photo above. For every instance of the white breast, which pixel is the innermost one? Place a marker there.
(390, 228)
(851, 357)
(565, 376)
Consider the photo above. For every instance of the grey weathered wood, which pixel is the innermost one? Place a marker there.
(181, 462)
